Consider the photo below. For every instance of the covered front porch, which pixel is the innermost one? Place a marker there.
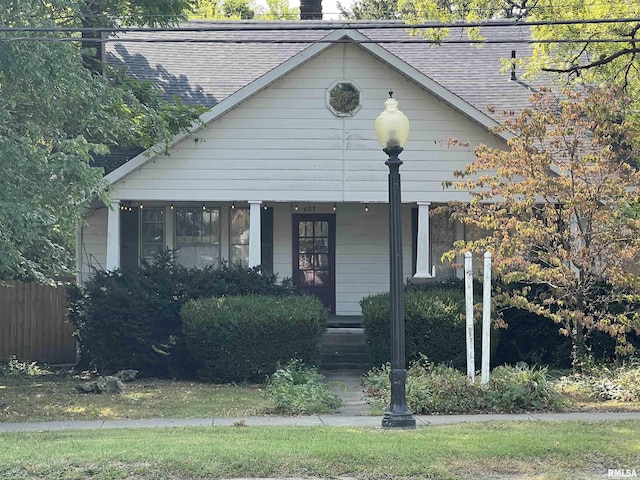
(336, 251)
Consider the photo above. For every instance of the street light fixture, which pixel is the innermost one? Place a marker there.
(392, 130)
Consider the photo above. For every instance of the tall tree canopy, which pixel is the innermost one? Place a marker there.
(553, 209)
(223, 10)
(578, 54)
(370, 10)
(110, 13)
(279, 10)
(55, 116)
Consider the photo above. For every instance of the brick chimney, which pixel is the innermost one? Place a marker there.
(310, 9)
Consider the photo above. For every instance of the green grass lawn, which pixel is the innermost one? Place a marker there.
(54, 397)
(513, 450)
(506, 451)
(47, 396)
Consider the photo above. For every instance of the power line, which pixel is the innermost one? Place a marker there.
(243, 26)
(307, 41)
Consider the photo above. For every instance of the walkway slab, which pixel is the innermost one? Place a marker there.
(359, 421)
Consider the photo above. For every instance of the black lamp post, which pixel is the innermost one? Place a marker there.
(392, 130)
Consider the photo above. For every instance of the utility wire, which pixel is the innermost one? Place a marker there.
(307, 41)
(252, 26)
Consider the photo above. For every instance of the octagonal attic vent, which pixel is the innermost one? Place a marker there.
(343, 99)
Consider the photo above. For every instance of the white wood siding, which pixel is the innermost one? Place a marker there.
(283, 144)
(362, 253)
(93, 243)
(282, 241)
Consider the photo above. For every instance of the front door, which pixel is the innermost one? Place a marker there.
(314, 271)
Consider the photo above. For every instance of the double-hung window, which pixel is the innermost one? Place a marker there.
(151, 232)
(198, 236)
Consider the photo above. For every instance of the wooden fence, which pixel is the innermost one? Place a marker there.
(34, 324)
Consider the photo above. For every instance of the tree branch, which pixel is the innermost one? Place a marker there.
(597, 63)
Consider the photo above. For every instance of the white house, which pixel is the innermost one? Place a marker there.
(284, 170)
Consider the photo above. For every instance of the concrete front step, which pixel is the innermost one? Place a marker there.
(344, 349)
(356, 367)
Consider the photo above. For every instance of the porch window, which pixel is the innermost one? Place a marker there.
(239, 237)
(151, 232)
(198, 236)
(442, 235)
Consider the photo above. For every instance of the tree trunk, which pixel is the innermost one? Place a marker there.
(92, 46)
(579, 349)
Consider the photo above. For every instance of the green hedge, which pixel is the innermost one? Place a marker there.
(434, 325)
(532, 339)
(131, 318)
(244, 338)
(536, 340)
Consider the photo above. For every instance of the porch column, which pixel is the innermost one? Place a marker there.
(255, 241)
(113, 236)
(423, 267)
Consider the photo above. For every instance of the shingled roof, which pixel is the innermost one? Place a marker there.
(208, 66)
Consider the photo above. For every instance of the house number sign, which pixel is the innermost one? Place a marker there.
(311, 208)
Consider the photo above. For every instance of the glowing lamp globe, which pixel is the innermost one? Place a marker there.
(392, 126)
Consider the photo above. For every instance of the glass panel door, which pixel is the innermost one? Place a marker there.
(314, 256)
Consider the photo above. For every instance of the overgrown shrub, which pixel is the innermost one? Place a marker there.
(298, 389)
(521, 388)
(244, 338)
(434, 325)
(123, 320)
(440, 389)
(131, 318)
(17, 368)
(535, 339)
(618, 383)
(532, 339)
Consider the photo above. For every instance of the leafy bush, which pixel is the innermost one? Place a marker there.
(521, 388)
(16, 368)
(620, 383)
(434, 325)
(131, 318)
(532, 339)
(536, 339)
(440, 389)
(246, 337)
(298, 389)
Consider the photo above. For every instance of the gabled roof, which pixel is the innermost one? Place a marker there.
(222, 69)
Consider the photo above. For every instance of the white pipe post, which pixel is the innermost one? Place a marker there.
(255, 240)
(468, 295)
(113, 236)
(486, 318)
